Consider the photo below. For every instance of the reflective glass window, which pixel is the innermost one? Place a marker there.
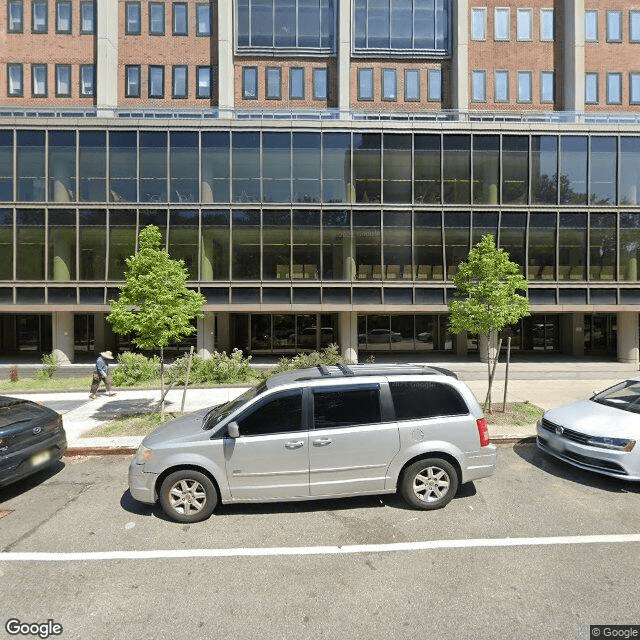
(544, 169)
(456, 241)
(501, 86)
(602, 246)
(634, 26)
(156, 81)
(62, 245)
(484, 223)
(591, 88)
(478, 85)
(296, 83)
(156, 18)
(62, 166)
(524, 20)
(614, 26)
(572, 246)
(39, 16)
(215, 245)
(15, 10)
(87, 86)
(435, 85)
(547, 29)
(412, 85)
(203, 80)
(87, 17)
(501, 23)
(249, 83)
(306, 167)
(547, 86)
(122, 241)
(629, 246)
(573, 170)
(276, 247)
(93, 244)
(629, 170)
(15, 80)
(428, 258)
(30, 165)
(367, 244)
(614, 88)
(306, 244)
(6, 244)
(486, 169)
(183, 239)
(153, 166)
(92, 166)
(183, 166)
(180, 19)
(39, 80)
(591, 26)
(389, 84)
(515, 169)
(30, 245)
(365, 84)
(132, 18)
(513, 233)
(367, 166)
(123, 166)
(63, 80)
(478, 23)
(276, 167)
(245, 247)
(6, 165)
(426, 169)
(542, 246)
(273, 83)
(396, 230)
(215, 166)
(338, 261)
(336, 168)
(602, 170)
(524, 86)
(179, 81)
(246, 167)
(63, 16)
(634, 88)
(132, 81)
(203, 19)
(456, 164)
(397, 168)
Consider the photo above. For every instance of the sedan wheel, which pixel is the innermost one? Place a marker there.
(429, 483)
(188, 496)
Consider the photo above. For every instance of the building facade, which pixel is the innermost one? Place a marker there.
(321, 167)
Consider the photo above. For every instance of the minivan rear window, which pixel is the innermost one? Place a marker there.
(425, 399)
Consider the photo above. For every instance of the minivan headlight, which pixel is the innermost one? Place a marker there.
(618, 444)
(143, 455)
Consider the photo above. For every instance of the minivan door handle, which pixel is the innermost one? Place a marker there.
(294, 444)
(321, 442)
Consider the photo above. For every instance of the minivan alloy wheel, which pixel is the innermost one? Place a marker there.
(188, 496)
(429, 483)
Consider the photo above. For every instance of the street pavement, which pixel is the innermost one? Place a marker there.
(545, 384)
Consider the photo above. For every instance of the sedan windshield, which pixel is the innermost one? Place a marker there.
(624, 395)
(219, 413)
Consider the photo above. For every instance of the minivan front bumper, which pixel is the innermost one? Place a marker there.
(142, 485)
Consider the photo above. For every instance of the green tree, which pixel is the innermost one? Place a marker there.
(155, 304)
(487, 297)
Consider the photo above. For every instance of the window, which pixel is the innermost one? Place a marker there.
(478, 86)
(524, 18)
(180, 19)
(412, 85)
(15, 16)
(591, 26)
(203, 89)
(547, 28)
(524, 86)
(435, 85)
(132, 81)
(346, 407)
(320, 84)
(547, 86)
(501, 86)
(273, 83)
(133, 18)
(63, 16)
(634, 88)
(389, 84)
(365, 84)
(250, 83)
(591, 88)
(415, 400)
(14, 79)
(478, 24)
(634, 26)
(156, 18)
(39, 80)
(39, 12)
(87, 17)
(614, 26)
(203, 19)
(87, 80)
(296, 83)
(501, 24)
(156, 81)
(614, 88)
(279, 414)
(63, 80)
(179, 81)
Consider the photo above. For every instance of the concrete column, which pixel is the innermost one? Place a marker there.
(573, 55)
(573, 334)
(344, 58)
(62, 336)
(206, 335)
(226, 98)
(628, 337)
(224, 332)
(462, 347)
(488, 345)
(460, 61)
(107, 67)
(348, 332)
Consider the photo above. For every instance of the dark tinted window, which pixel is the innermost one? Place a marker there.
(426, 399)
(346, 407)
(276, 415)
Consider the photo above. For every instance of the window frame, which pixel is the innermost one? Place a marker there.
(301, 70)
(479, 74)
(495, 85)
(200, 6)
(127, 69)
(529, 75)
(34, 4)
(475, 11)
(592, 13)
(157, 6)
(543, 100)
(315, 83)
(595, 75)
(16, 3)
(501, 10)
(360, 96)
(634, 14)
(245, 72)
(610, 75)
(58, 68)
(418, 87)
(276, 71)
(39, 66)
(609, 14)
(150, 69)
(199, 69)
(69, 4)
(522, 12)
(83, 69)
(632, 75)
(174, 7)
(132, 4)
(545, 11)
(434, 95)
(20, 92)
(175, 95)
(384, 71)
(84, 5)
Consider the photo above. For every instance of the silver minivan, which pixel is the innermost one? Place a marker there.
(323, 432)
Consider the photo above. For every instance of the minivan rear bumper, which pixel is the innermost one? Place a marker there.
(480, 464)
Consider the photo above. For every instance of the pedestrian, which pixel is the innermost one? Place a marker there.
(101, 372)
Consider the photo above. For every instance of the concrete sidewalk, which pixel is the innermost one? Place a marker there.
(544, 384)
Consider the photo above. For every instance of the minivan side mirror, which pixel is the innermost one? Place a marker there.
(233, 430)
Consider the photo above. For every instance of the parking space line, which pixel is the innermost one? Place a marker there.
(427, 545)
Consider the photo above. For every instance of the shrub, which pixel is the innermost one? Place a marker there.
(135, 368)
(13, 373)
(219, 368)
(49, 367)
(328, 355)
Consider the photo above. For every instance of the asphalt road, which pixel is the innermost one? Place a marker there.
(295, 570)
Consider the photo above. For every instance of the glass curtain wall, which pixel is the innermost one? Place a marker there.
(93, 244)
(276, 167)
(367, 167)
(30, 166)
(367, 244)
(572, 246)
(153, 166)
(486, 169)
(456, 241)
(214, 238)
(6, 244)
(544, 169)
(396, 170)
(338, 258)
(6, 166)
(183, 239)
(456, 169)
(629, 246)
(62, 245)
(245, 245)
(123, 166)
(184, 166)
(62, 166)
(306, 243)
(602, 246)
(602, 170)
(216, 176)
(122, 240)
(397, 245)
(542, 246)
(515, 169)
(336, 168)
(30, 244)
(276, 247)
(573, 170)
(92, 166)
(306, 167)
(426, 167)
(629, 170)
(513, 237)
(428, 248)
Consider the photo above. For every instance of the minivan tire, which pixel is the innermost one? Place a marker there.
(429, 483)
(188, 496)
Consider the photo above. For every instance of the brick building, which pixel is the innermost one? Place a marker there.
(321, 167)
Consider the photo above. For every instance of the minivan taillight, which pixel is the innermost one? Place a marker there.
(483, 432)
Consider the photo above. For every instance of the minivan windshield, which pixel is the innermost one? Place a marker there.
(625, 396)
(219, 413)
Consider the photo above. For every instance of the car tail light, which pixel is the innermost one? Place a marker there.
(483, 432)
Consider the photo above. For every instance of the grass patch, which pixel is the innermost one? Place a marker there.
(519, 414)
(134, 424)
(60, 384)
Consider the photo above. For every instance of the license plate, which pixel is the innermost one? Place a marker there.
(40, 458)
(556, 444)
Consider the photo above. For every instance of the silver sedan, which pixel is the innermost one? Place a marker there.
(599, 434)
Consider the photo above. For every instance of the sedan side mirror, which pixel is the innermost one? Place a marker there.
(233, 430)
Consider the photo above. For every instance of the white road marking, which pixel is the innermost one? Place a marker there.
(92, 556)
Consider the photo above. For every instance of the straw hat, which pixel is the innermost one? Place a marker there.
(107, 354)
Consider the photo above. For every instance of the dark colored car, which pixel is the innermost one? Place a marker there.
(31, 438)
